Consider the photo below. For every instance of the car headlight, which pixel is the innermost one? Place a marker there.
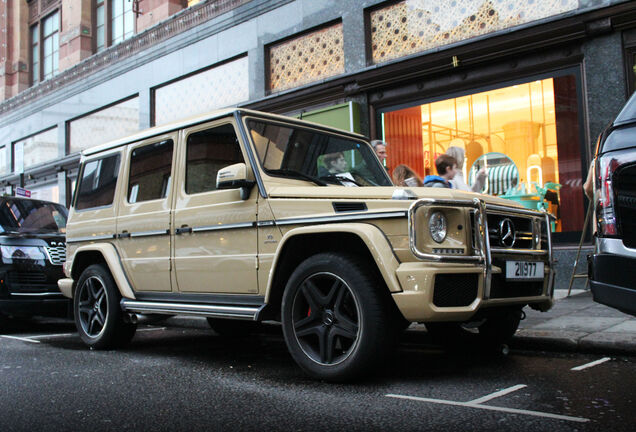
(437, 225)
(22, 252)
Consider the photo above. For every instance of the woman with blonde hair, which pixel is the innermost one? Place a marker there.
(405, 176)
(458, 181)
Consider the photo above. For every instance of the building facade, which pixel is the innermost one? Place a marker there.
(523, 86)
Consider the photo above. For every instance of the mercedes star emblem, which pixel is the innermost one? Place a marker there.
(507, 235)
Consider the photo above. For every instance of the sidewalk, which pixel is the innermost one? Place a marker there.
(577, 323)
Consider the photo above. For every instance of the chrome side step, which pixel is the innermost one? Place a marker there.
(218, 311)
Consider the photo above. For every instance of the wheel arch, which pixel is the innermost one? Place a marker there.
(298, 244)
(107, 255)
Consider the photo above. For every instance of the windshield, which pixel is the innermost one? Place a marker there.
(294, 152)
(29, 216)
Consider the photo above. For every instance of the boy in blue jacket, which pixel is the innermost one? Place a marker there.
(446, 168)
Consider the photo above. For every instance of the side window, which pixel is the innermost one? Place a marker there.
(97, 183)
(150, 172)
(207, 152)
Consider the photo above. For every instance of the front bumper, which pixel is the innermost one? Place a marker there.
(454, 288)
(464, 292)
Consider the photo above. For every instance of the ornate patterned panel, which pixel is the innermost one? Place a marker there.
(105, 125)
(36, 149)
(412, 26)
(307, 58)
(221, 86)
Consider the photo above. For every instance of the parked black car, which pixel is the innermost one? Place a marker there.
(612, 267)
(32, 252)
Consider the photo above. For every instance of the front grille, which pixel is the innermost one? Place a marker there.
(500, 288)
(29, 282)
(453, 290)
(625, 189)
(522, 226)
(57, 254)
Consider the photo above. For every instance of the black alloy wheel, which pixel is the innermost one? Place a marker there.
(326, 318)
(93, 306)
(98, 317)
(337, 317)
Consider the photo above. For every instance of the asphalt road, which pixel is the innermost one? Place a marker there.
(173, 379)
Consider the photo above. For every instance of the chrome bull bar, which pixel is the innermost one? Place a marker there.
(482, 240)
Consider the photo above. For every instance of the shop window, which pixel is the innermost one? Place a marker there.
(631, 70)
(36, 149)
(4, 166)
(525, 135)
(45, 45)
(220, 86)
(105, 125)
(114, 22)
(150, 172)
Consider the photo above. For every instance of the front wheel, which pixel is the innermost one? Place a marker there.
(98, 316)
(336, 317)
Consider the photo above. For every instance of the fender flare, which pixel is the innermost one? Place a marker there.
(113, 262)
(373, 238)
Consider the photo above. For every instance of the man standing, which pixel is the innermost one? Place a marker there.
(380, 149)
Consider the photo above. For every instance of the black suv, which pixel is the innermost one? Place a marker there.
(612, 267)
(32, 250)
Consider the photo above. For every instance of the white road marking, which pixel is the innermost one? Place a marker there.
(492, 408)
(594, 363)
(151, 329)
(497, 394)
(20, 339)
(52, 335)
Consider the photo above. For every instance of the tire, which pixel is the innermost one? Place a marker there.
(98, 317)
(336, 318)
(232, 328)
(491, 331)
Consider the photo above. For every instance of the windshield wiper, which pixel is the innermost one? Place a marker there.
(298, 174)
(340, 179)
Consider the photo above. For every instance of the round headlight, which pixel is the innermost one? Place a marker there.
(437, 225)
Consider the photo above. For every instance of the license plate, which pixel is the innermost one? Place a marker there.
(524, 270)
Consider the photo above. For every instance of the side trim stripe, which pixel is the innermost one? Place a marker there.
(150, 233)
(324, 219)
(90, 238)
(293, 221)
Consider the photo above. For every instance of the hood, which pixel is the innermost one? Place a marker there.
(377, 193)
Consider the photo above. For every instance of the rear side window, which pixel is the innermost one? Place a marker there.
(208, 151)
(97, 183)
(150, 172)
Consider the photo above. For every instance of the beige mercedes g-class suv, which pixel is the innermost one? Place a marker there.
(241, 216)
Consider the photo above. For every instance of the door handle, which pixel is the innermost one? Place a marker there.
(124, 234)
(183, 230)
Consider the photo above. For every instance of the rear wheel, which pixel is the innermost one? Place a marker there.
(98, 316)
(336, 319)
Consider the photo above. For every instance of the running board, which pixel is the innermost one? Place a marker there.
(217, 311)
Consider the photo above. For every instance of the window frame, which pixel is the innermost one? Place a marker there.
(186, 144)
(80, 175)
(167, 141)
(39, 44)
(108, 21)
